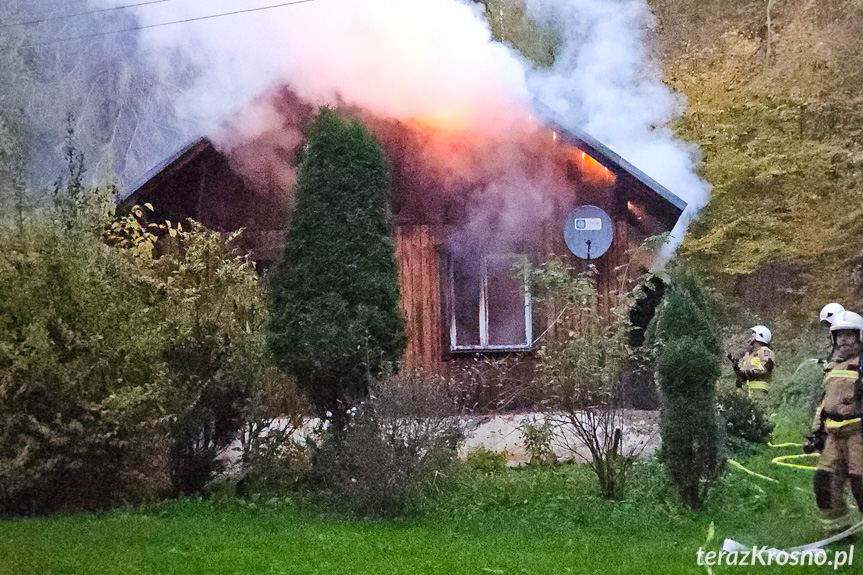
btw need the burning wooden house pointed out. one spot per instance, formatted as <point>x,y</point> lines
<point>458,229</point>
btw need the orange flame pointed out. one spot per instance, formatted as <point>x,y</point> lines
<point>591,168</point>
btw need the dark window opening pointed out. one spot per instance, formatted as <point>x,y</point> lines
<point>641,313</point>
<point>490,306</point>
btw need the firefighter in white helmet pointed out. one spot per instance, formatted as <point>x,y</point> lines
<point>838,518</point>
<point>755,369</point>
<point>840,417</point>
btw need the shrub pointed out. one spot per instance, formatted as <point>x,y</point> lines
<point>273,459</point>
<point>537,438</point>
<point>485,461</point>
<point>579,370</point>
<point>215,349</point>
<point>80,374</point>
<point>334,305</point>
<point>397,446</point>
<point>744,421</point>
<point>688,365</point>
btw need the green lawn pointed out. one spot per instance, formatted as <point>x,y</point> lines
<point>529,521</point>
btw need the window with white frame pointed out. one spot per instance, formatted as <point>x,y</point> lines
<point>489,304</point>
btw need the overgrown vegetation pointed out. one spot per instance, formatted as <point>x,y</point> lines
<point>121,377</point>
<point>744,422</point>
<point>780,138</point>
<point>579,370</point>
<point>396,446</point>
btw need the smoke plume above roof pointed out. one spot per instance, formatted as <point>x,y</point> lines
<point>429,62</point>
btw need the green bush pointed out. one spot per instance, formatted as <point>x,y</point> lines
<point>537,438</point>
<point>744,421</point>
<point>274,459</point>
<point>80,373</point>
<point>485,461</point>
<point>120,376</point>
<point>214,348</point>
<point>579,370</point>
<point>334,297</point>
<point>687,347</point>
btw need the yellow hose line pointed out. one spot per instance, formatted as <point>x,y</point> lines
<point>782,459</point>
<point>778,445</point>
<point>733,463</point>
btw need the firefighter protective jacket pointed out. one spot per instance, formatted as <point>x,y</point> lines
<point>756,368</point>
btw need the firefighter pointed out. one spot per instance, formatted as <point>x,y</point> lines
<point>840,422</point>
<point>755,369</point>
<point>839,516</point>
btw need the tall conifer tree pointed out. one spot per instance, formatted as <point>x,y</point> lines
<point>688,365</point>
<point>334,295</point>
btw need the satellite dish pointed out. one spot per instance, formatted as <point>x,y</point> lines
<point>588,232</point>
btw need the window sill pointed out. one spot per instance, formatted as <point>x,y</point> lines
<point>498,349</point>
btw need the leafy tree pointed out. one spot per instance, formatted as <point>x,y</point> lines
<point>688,365</point>
<point>334,296</point>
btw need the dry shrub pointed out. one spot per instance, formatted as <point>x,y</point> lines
<point>274,459</point>
<point>483,384</point>
<point>396,447</point>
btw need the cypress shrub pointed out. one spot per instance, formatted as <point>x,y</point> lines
<point>335,319</point>
<point>688,366</point>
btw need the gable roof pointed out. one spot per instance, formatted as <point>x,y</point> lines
<point>664,204</point>
<point>166,168</point>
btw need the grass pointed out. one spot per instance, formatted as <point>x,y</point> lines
<point>531,521</point>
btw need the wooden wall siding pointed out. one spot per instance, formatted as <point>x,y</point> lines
<point>418,255</point>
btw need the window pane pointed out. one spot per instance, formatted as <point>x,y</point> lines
<point>466,288</point>
<point>505,289</point>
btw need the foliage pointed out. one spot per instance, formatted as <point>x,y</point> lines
<point>334,301</point>
<point>75,204</point>
<point>79,370</point>
<point>484,460</point>
<point>688,365</point>
<point>780,142</point>
<point>804,388</point>
<point>511,24</point>
<point>579,369</point>
<point>273,459</point>
<point>537,438</point>
<point>396,447</point>
<point>214,350</point>
<point>745,423</point>
<point>118,371</point>
<point>125,126</point>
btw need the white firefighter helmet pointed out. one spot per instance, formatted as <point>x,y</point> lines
<point>847,320</point>
<point>830,311</point>
<point>762,334</point>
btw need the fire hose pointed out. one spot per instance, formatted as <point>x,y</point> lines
<point>730,545</point>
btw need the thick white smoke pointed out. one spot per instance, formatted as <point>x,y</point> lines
<point>427,61</point>
<point>605,81</point>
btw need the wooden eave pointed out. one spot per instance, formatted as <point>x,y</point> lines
<point>163,171</point>
<point>663,204</point>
